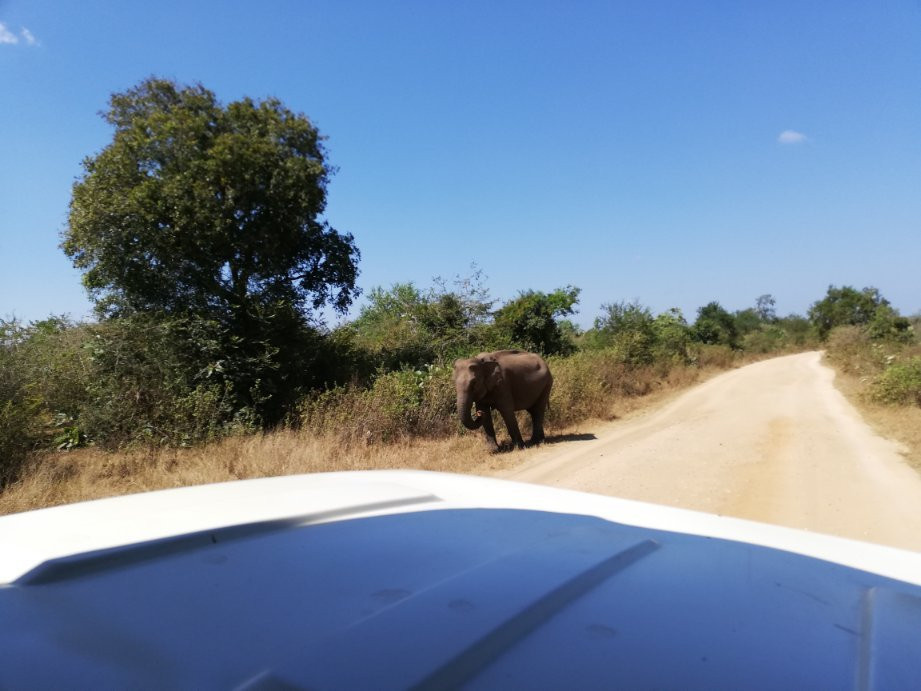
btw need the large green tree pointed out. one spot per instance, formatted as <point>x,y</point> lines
<point>207,220</point>
<point>197,207</point>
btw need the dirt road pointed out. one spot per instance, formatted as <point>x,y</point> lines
<point>772,442</point>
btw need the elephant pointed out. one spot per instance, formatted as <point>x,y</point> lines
<point>507,380</point>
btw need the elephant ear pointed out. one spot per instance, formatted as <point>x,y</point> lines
<point>493,374</point>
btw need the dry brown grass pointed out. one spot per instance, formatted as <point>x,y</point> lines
<point>84,474</point>
<point>61,478</point>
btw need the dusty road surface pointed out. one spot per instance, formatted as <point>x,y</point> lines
<point>772,442</point>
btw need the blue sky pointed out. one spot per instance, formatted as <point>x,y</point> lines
<point>665,151</point>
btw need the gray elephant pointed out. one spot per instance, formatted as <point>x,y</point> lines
<point>507,380</point>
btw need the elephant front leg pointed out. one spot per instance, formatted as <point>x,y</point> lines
<point>489,431</point>
<point>511,422</point>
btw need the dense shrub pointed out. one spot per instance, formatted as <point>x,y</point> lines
<point>42,383</point>
<point>533,321</point>
<point>716,356</point>
<point>847,306</point>
<point>164,381</point>
<point>19,421</point>
<point>715,326</point>
<point>586,383</point>
<point>397,404</point>
<point>888,325</point>
<point>798,331</point>
<point>673,337</point>
<point>402,327</point>
<point>899,383</point>
<point>767,339</point>
<point>852,349</point>
<point>18,432</point>
<point>630,328</point>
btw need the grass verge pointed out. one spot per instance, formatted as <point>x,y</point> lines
<point>897,422</point>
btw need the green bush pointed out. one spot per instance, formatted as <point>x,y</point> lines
<point>767,339</point>
<point>715,326</point>
<point>397,404</point>
<point>719,356</point>
<point>673,337</point>
<point>900,383</point>
<point>845,306</point>
<point>20,421</point>
<point>586,383</point>
<point>798,331</point>
<point>888,325</point>
<point>533,321</point>
<point>19,431</point>
<point>854,352</point>
<point>168,382</point>
<point>405,328</point>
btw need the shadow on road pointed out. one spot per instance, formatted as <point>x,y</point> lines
<point>557,438</point>
<point>508,446</point>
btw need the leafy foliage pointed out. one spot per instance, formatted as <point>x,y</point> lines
<point>900,383</point>
<point>532,321</point>
<point>19,428</point>
<point>673,336</point>
<point>163,381</point>
<point>715,326</point>
<point>417,402</point>
<point>845,306</point>
<point>204,209</point>
<point>798,331</point>
<point>748,321</point>
<point>888,325</point>
<point>203,222</point>
<point>629,328</point>
<point>404,327</point>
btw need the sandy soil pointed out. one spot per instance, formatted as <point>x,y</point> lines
<point>774,442</point>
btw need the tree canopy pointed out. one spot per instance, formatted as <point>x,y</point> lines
<point>867,308</point>
<point>195,207</point>
<point>716,326</point>
<point>531,320</point>
<point>202,223</point>
<point>845,306</point>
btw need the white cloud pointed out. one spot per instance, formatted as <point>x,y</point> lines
<point>7,36</point>
<point>792,137</point>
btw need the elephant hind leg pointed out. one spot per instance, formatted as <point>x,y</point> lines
<point>538,411</point>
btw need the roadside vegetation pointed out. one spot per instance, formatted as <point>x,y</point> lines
<point>200,233</point>
<point>107,408</point>
<point>877,353</point>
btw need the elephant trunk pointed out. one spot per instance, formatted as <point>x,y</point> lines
<point>463,408</point>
